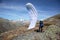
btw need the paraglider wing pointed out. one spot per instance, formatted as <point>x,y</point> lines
<point>33,14</point>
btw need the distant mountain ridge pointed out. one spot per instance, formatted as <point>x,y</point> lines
<point>53,20</point>
<point>6,25</point>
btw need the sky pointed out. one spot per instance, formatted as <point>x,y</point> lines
<point>16,9</point>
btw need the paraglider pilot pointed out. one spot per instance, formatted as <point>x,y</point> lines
<point>41,25</point>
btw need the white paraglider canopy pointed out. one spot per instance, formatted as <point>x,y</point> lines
<point>33,14</point>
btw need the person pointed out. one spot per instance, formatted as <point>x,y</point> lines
<point>41,26</point>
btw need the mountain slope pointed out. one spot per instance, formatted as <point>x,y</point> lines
<point>5,25</point>
<point>52,31</point>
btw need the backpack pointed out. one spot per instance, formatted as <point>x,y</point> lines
<point>41,24</point>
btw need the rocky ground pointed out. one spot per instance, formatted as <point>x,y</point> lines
<point>52,33</point>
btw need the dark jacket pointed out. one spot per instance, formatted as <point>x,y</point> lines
<point>41,24</point>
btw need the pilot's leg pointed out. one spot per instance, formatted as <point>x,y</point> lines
<point>41,29</point>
